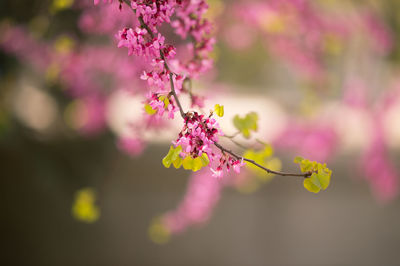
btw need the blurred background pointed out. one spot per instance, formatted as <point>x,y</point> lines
<point>82,179</point>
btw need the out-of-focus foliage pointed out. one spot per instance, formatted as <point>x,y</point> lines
<point>246,124</point>
<point>265,158</point>
<point>219,110</point>
<point>84,208</point>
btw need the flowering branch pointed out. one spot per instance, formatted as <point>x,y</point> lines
<point>193,149</point>
<point>183,113</point>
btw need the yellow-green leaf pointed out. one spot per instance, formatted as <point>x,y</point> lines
<point>58,5</point>
<point>178,162</point>
<point>219,110</point>
<point>149,109</point>
<point>310,185</point>
<point>247,124</point>
<point>164,99</point>
<point>187,163</point>
<point>298,159</point>
<point>158,232</point>
<point>320,177</point>
<point>324,176</point>
<point>172,156</point>
<point>197,164</point>
<point>84,208</point>
<point>204,159</point>
<point>268,151</point>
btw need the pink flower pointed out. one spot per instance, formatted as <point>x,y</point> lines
<point>218,172</point>
<point>237,165</point>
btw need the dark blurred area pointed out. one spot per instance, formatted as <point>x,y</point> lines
<point>279,224</point>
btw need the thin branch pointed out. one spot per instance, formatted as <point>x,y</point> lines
<point>237,157</point>
<point>183,113</point>
<point>173,91</point>
<point>235,142</point>
<point>233,135</point>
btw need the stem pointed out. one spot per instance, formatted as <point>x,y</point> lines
<point>173,91</point>
<point>236,143</point>
<point>305,175</point>
<point>183,113</point>
<point>232,136</point>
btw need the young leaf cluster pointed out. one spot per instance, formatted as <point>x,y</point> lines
<point>188,163</point>
<point>320,177</point>
<point>246,124</point>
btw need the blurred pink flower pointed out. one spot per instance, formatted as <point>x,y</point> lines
<point>131,145</point>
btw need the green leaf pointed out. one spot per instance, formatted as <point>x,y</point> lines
<point>164,99</point>
<point>247,124</point>
<point>172,156</point>
<point>194,164</point>
<point>312,184</point>
<point>204,159</point>
<point>197,164</point>
<point>298,159</point>
<point>178,162</point>
<point>307,166</point>
<point>324,175</point>
<point>219,110</point>
<point>148,109</point>
<point>268,151</point>
<point>187,163</point>
<point>321,175</point>
<point>167,160</point>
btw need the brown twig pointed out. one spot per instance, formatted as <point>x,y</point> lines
<point>305,175</point>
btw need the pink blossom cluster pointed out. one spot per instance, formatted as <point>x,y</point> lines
<point>310,139</point>
<point>191,23</point>
<point>199,133</point>
<point>16,40</point>
<point>104,19</point>
<point>305,36</point>
<point>228,162</point>
<point>162,104</point>
<point>198,136</point>
<point>145,41</point>
<point>201,196</point>
<point>139,42</point>
<point>378,32</point>
<point>88,73</point>
<point>293,32</point>
<point>159,78</point>
<point>321,141</point>
<point>154,12</point>
<point>378,169</point>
